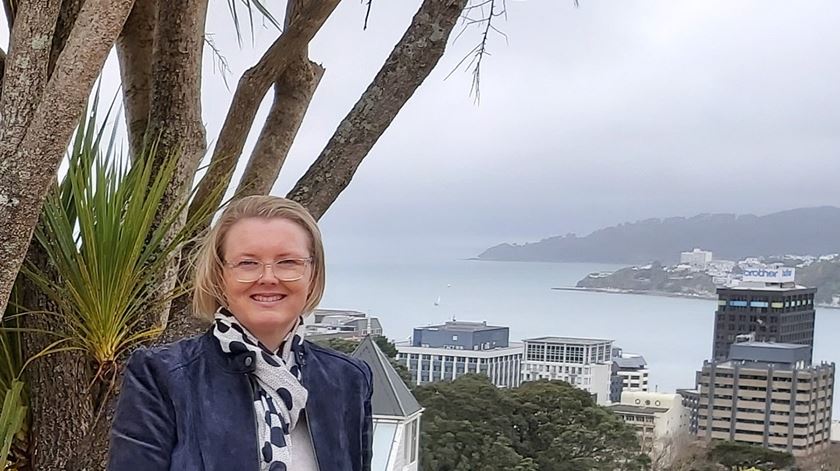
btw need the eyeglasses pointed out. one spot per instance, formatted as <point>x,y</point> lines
<point>288,269</point>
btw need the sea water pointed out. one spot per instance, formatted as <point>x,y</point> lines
<point>406,290</point>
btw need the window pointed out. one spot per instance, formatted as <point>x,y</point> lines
<point>411,441</point>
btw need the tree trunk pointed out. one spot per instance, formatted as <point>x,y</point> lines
<point>26,75</point>
<point>175,113</point>
<point>292,94</point>
<point>250,91</point>
<point>135,49</point>
<point>411,61</point>
<point>60,406</point>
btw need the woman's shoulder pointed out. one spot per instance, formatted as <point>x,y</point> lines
<point>168,357</point>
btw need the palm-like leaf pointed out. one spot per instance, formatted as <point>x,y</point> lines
<point>110,252</point>
<point>250,6</point>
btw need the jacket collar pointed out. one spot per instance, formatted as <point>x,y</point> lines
<point>243,362</point>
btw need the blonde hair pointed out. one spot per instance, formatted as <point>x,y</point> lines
<point>208,293</point>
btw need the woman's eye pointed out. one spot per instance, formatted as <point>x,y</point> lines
<point>246,263</point>
<point>287,263</point>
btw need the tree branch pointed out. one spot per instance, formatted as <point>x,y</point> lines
<point>292,94</point>
<point>135,49</point>
<point>249,93</point>
<point>2,66</point>
<point>408,65</point>
<point>27,170</point>
<point>66,19</point>
<point>10,11</point>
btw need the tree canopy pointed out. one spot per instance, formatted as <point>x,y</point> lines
<point>546,425</point>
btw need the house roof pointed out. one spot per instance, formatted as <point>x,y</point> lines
<point>391,397</point>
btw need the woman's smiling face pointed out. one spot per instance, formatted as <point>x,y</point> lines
<point>268,307</point>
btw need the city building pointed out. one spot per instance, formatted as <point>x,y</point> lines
<point>396,413</point>
<point>661,422</point>
<point>835,431</point>
<point>584,363</point>
<point>691,403</point>
<point>339,323</point>
<point>448,351</point>
<point>696,259</point>
<point>767,394</point>
<point>633,370</point>
<point>767,305</point>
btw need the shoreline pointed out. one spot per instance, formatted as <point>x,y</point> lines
<point>663,294</point>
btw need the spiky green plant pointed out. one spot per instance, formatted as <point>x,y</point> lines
<point>108,246</point>
<point>12,420</point>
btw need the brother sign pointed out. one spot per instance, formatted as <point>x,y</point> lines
<point>770,275</point>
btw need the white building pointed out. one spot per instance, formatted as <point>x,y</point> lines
<point>633,371</point>
<point>583,363</point>
<point>428,364</point>
<point>341,323</point>
<point>835,431</point>
<point>661,421</point>
<point>396,414</point>
<point>697,259</point>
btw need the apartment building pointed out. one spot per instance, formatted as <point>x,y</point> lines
<point>768,394</point>
<point>582,362</point>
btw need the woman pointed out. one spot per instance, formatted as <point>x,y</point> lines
<point>250,394</point>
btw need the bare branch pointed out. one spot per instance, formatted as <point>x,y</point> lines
<point>292,95</point>
<point>10,11</point>
<point>488,11</point>
<point>2,66</point>
<point>66,19</point>
<point>135,48</point>
<point>367,13</point>
<point>250,91</point>
<point>408,65</point>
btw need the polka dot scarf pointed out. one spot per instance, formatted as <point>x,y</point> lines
<point>279,397</point>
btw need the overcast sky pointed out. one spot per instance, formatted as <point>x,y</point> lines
<point>610,112</point>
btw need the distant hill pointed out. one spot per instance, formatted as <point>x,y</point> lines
<point>803,231</point>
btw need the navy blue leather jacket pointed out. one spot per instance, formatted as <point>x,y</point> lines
<point>188,406</point>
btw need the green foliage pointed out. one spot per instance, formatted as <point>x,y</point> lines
<point>345,346</point>
<point>736,456</point>
<point>11,420</point>
<point>108,246</point>
<point>470,424</point>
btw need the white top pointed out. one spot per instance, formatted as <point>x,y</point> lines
<point>303,451</point>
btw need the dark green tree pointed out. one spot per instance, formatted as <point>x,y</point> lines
<point>735,456</point>
<point>562,429</point>
<point>470,424</point>
<point>467,426</point>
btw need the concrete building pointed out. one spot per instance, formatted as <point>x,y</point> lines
<point>633,371</point>
<point>696,259</point>
<point>584,363</point>
<point>396,414</point>
<point>339,323</point>
<point>448,351</point>
<point>835,431</point>
<point>768,394</point>
<point>768,305</point>
<point>661,421</point>
<point>691,403</point>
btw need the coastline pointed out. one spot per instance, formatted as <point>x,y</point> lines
<point>663,294</point>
